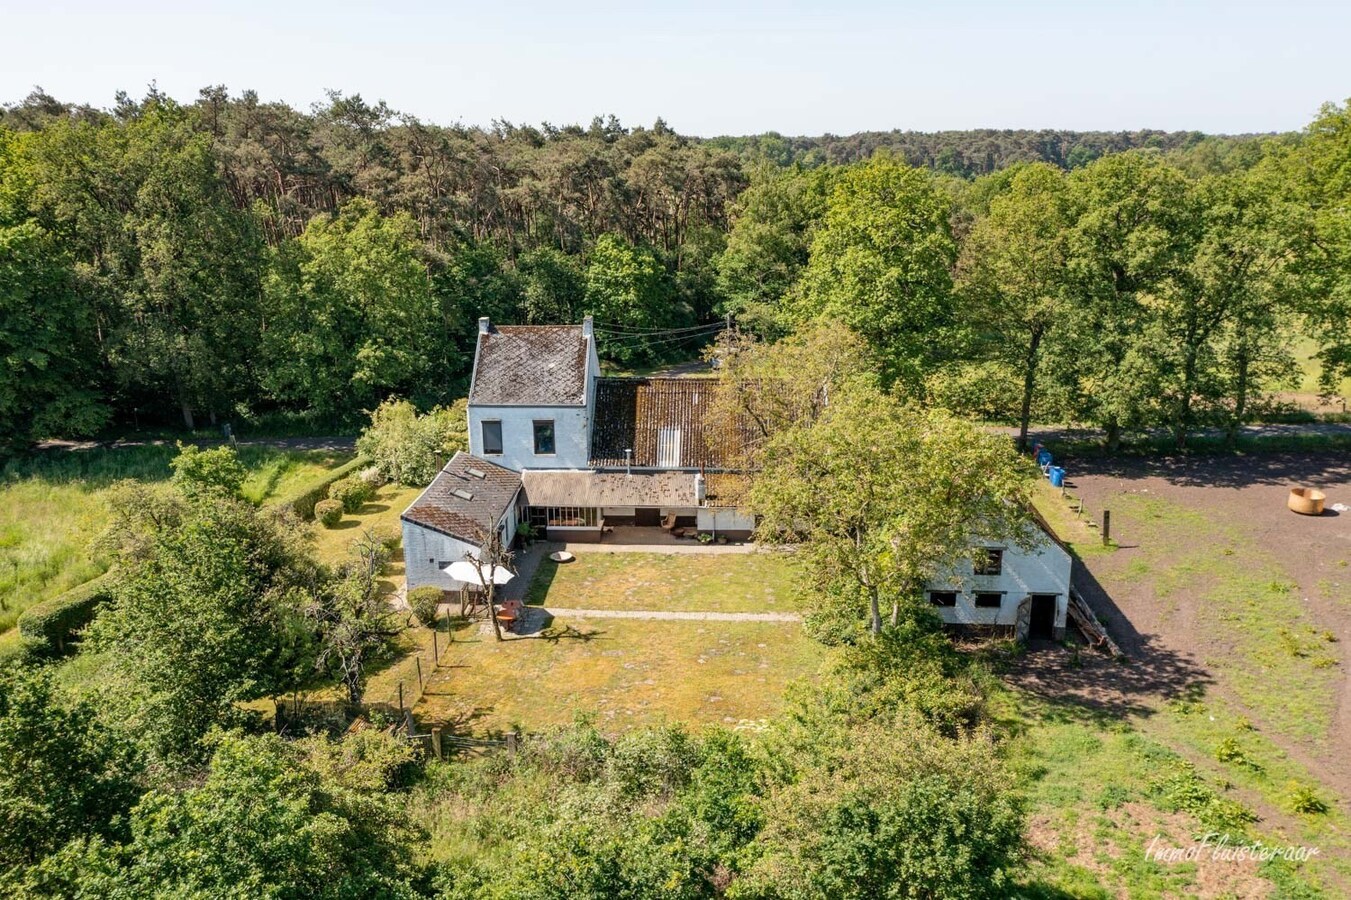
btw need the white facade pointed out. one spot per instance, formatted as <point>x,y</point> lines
<point>426,552</point>
<point>1043,572</point>
<point>572,436</point>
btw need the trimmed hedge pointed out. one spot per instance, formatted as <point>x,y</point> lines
<point>352,492</point>
<point>328,512</point>
<point>50,624</point>
<point>302,504</point>
<point>424,602</point>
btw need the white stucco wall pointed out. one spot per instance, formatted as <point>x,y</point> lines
<point>719,519</point>
<point>427,552</point>
<point>572,436</point>
<point>1044,570</point>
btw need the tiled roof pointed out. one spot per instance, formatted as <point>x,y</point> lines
<point>662,421</point>
<point>530,365</point>
<point>465,499</point>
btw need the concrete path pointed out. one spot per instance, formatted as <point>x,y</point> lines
<point>689,547</point>
<point>562,613</point>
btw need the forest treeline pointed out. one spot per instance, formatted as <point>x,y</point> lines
<point>233,258</point>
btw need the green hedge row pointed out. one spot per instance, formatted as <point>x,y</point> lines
<point>303,502</point>
<point>48,625</point>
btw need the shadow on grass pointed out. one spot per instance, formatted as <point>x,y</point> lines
<point>569,633</point>
<point>538,591</point>
<point>1082,684</point>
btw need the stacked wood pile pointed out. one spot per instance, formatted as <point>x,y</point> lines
<point>1087,623</point>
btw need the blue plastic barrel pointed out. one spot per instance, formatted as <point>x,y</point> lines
<point>1043,457</point>
<point>1057,476</point>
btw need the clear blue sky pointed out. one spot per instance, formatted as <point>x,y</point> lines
<point>714,68</point>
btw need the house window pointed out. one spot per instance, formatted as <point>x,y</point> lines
<point>544,437</point>
<point>564,517</point>
<point>492,438</point>
<point>993,564</point>
<point>943,598</point>
<point>989,599</point>
<point>668,448</point>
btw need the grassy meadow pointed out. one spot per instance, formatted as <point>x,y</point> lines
<point>53,506</point>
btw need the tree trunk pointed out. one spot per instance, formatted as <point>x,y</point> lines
<point>875,610</point>
<point>1240,401</point>
<point>1029,384</point>
<point>1113,435</point>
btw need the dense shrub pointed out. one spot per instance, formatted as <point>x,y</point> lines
<point>328,512</point>
<point>352,492</point>
<point>51,624</point>
<point>198,472</point>
<point>409,448</point>
<point>423,601</point>
<point>302,503</point>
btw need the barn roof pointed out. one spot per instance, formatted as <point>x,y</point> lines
<point>580,488</point>
<point>530,365</point>
<point>664,422</point>
<point>465,499</point>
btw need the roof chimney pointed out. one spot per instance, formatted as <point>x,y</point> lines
<point>587,324</point>
<point>484,326</point>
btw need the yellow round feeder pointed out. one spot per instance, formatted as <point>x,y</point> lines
<point>1306,501</point>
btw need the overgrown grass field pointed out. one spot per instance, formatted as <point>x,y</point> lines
<point>53,506</point>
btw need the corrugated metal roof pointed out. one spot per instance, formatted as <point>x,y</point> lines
<point>577,488</point>
<point>530,365</point>
<point>465,499</point>
<point>662,420</point>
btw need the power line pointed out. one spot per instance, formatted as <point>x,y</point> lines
<point>654,332</point>
<point>643,341</point>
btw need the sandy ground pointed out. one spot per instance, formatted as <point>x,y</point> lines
<point>1247,492</point>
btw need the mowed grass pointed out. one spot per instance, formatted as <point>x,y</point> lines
<point>626,672</point>
<point>53,506</point>
<point>763,581</point>
<point>380,513</point>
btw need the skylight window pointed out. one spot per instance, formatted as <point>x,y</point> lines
<point>477,473</point>
<point>462,494</point>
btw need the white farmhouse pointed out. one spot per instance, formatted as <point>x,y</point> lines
<point>1014,591</point>
<point>582,457</point>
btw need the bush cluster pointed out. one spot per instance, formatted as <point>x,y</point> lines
<point>328,512</point>
<point>423,602</point>
<point>352,492</point>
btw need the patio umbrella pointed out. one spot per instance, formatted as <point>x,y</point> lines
<point>468,573</point>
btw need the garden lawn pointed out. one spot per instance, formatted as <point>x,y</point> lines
<point>626,672</point>
<point>52,507</point>
<point>763,581</point>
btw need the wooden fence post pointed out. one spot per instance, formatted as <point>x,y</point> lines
<point>418,660</point>
<point>1106,526</point>
<point>400,698</point>
<point>436,653</point>
<point>436,741</point>
<point>511,742</point>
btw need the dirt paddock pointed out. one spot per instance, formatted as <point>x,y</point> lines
<point>1188,523</point>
